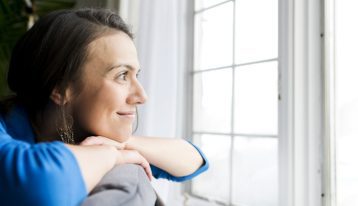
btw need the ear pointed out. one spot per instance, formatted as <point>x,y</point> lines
<point>58,98</point>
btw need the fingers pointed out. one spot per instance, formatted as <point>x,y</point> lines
<point>124,156</point>
<point>148,171</point>
<point>99,140</point>
<point>91,141</point>
<point>134,157</point>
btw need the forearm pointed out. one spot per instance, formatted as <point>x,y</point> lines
<point>94,161</point>
<point>176,156</point>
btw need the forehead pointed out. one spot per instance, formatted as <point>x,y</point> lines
<point>111,49</point>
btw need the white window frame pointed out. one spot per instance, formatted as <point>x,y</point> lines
<point>301,113</point>
<point>329,184</point>
<point>302,105</point>
<point>192,199</point>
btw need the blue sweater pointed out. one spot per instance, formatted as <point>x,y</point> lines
<point>45,173</point>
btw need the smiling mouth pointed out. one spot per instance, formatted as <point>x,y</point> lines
<point>129,115</point>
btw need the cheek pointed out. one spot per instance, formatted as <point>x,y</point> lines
<point>96,114</point>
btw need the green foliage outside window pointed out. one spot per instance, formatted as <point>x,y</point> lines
<point>15,18</point>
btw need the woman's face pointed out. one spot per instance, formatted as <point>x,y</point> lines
<point>106,105</point>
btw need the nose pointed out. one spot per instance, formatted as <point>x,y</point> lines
<point>138,94</point>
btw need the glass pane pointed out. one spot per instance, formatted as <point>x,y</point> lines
<point>256,36</point>
<point>201,4</point>
<point>214,183</point>
<point>213,37</point>
<point>212,101</point>
<point>256,99</point>
<point>346,103</point>
<point>255,171</point>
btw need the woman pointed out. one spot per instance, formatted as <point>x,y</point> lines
<point>74,75</point>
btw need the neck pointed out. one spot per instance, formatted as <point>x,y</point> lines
<point>44,124</point>
<point>79,134</point>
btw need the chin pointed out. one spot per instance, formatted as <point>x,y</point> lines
<point>121,137</point>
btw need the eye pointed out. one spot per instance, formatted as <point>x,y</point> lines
<point>122,76</point>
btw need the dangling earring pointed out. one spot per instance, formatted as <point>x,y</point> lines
<point>65,129</point>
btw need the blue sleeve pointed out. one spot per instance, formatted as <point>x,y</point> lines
<point>159,173</point>
<point>39,174</point>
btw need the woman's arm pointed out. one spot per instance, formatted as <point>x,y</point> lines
<point>95,159</point>
<point>175,156</point>
<point>94,162</point>
<point>39,174</point>
<point>52,173</point>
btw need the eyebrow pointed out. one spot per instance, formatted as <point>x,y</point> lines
<point>122,65</point>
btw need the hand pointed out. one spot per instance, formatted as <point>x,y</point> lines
<point>99,140</point>
<point>134,157</point>
<point>124,156</point>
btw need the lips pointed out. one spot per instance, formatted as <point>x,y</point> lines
<point>127,115</point>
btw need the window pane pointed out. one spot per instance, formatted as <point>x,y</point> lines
<point>213,37</point>
<point>256,30</point>
<point>201,4</point>
<point>212,101</point>
<point>256,99</point>
<point>346,103</point>
<point>255,171</point>
<point>215,182</point>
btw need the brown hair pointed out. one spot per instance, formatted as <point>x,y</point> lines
<point>53,51</point>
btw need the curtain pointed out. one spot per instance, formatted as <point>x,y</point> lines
<point>160,36</point>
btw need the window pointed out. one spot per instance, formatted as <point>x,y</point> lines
<point>343,101</point>
<point>235,100</point>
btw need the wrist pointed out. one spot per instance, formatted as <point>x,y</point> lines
<point>112,154</point>
<point>130,143</point>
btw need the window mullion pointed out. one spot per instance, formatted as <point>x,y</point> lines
<point>235,65</point>
<point>232,106</point>
<point>329,161</point>
<point>211,7</point>
<point>236,134</point>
